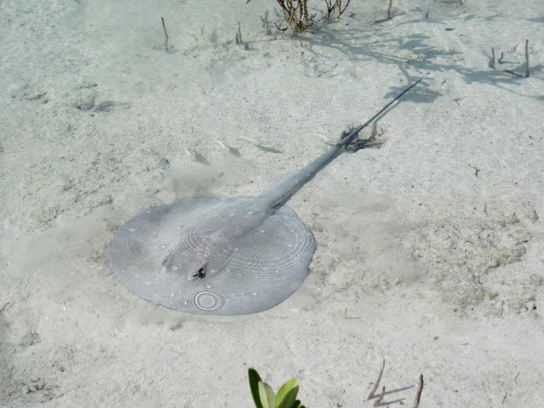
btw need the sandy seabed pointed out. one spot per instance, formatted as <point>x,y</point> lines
<point>430,250</point>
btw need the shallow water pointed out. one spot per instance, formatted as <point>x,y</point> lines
<point>429,249</point>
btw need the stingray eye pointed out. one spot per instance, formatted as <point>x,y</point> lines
<point>201,273</point>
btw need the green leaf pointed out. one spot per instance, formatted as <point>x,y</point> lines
<point>254,380</point>
<point>248,1</point>
<point>284,389</point>
<point>296,404</point>
<point>266,393</point>
<point>289,399</point>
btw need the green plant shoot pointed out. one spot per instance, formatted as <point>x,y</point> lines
<point>264,397</point>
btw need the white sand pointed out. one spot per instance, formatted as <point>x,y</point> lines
<point>439,265</point>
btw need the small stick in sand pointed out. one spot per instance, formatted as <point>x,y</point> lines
<point>492,59</point>
<point>389,9</point>
<point>265,22</point>
<point>501,58</point>
<point>419,391</point>
<point>251,140</point>
<point>513,73</point>
<point>377,383</point>
<point>349,318</point>
<point>190,153</point>
<point>39,96</point>
<point>526,58</point>
<point>223,145</point>
<point>240,41</point>
<point>165,35</point>
<point>380,399</point>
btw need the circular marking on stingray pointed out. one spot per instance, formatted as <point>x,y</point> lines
<point>208,301</point>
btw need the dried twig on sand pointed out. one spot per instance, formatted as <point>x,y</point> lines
<point>380,398</point>
<point>377,383</point>
<point>389,9</point>
<point>526,58</point>
<point>419,391</point>
<point>165,35</point>
<point>492,59</point>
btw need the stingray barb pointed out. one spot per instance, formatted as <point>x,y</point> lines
<point>225,255</point>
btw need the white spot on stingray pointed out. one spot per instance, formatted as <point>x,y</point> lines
<point>277,271</point>
<point>132,230</point>
<point>236,249</point>
<point>163,246</point>
<point>213,271</point>
<point>254,294</point>
<point>261,230</point>
<point>175,268</point>
<point>251,212</point>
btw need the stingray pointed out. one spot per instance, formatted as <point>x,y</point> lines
<point>224,255</point>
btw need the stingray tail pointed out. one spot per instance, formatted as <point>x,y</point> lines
<point>283,192</point>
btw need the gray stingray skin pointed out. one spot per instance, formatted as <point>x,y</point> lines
<point>253,260</point>
<point>221,256</point>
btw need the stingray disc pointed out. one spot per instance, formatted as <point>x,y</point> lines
<point>220,256</point>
